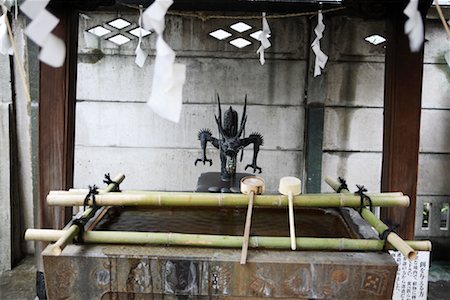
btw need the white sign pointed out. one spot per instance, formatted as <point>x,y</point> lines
<point>411,281</point>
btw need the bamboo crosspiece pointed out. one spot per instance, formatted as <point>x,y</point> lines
<point>396,241</point>
<point>135,198</point>
<point>73,230</point>
<point>219,241</point>
<point>190,199</point>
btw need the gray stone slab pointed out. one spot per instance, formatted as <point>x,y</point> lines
<point>433,174</point>
<point>23,129</point>
<point>5,79</point>
<point>353,129</point>
<point>5,189</point>
<point>118,78</point>
<point>189,36</point>
<point>348,34</point>
<point>435,46</point>
<point>171,169</point>
<point>136,125</point>
<point>356,168</point>
<point>355,84</point>
<point>434,131</point>
<point>436,86</point>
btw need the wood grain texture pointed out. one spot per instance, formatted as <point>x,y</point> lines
<point>57,122</point>
<point>402,111</point>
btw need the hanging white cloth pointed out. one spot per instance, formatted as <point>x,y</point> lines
<point>321,58</point>
<point>141,55</point>
<point>414,25</point>
<point>168,77</point>
<point>53,49</point>
<point>5,43</point>
<point>264,38</point>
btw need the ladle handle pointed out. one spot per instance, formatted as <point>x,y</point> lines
<point>292,221</point>
<point>248,222</point>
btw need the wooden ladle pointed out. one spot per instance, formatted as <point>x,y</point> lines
<point>291,186</point>
<point>250,185</point>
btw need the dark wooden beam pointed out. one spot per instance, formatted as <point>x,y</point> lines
<point>57,122</point>
<point>402,109</point>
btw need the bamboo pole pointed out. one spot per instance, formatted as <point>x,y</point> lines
<point>140,192</point>
<point>219,199</point>
<point>222,241</point>
<point>73,230</point>
<point>380,227</point>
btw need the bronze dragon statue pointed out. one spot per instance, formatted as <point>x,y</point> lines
<point>230,142</point>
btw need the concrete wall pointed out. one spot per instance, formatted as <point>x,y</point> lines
<point>353,118</point>
<point>23,120</point>
<point>5,165</point>
<point>16,181</point>
<point>117,132</point>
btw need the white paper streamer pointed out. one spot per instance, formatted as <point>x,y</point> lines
<point>5,43</point>
<point>53,49</point>
<point>141,55</point>
<point>264,38</point>
<point>321,58</point>
<point>414,25</point>
<point>168,77</point>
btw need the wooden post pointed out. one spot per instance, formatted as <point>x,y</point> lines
<point>402,109</point>
<point>57,122</point>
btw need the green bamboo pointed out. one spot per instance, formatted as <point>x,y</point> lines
<point>219,199</point>
<point>380,227</point>
<point>74,191</point>
<point>221,241</point>
<point>73,230</point>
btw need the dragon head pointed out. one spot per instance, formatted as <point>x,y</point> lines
<point>230,142</point>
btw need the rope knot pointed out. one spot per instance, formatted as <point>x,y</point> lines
<point>343,185</point>
<point>80,222</point>
<point>384,235</point>
<point>361,190</point>
<point>93,190</point>
<point>109,181</point>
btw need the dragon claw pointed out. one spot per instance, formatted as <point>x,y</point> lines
<point>255,168</point>
<point>203,161</point>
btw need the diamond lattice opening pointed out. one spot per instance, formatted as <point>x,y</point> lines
<point>256,34</point>
<point>119,23</point>
<point>99,31</point>
<point>240,27</point>
<point>375,39</point>
<point>144,32</point>
<point>119,39</point>
<point>220,34</point>
<point>240,43</point>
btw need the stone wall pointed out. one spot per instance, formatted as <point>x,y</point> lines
<point>117,132</point>
<point>434,159</point>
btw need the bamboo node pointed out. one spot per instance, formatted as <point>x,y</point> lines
<point>341,200</point>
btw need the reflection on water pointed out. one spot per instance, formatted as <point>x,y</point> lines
<point>225,221</point>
